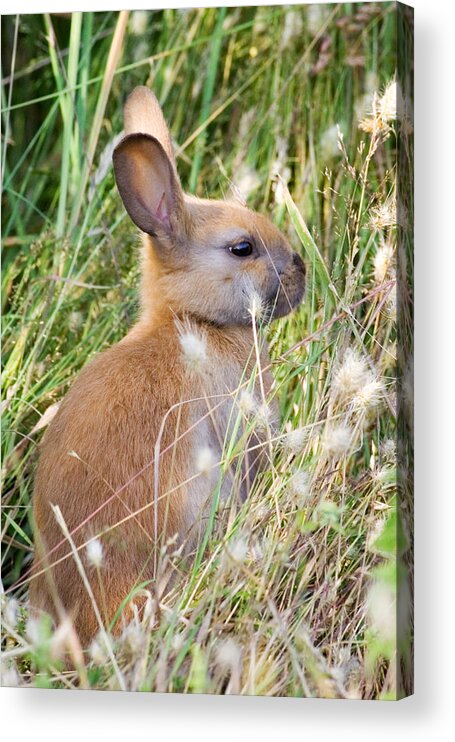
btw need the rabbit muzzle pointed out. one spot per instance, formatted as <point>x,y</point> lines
<point>288,289</point>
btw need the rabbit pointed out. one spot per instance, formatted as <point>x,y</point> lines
<point>120,458</point>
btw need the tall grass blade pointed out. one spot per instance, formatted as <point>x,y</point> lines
<point>111,64</point>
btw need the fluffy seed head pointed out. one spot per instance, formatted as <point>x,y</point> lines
<point>295,440</point>
<point>238,548</point>
<point>279,167</point>
<point>299,487</point>
<point>97,652</point>
<point>316,15</point>
<point>247,181</point>
<point>257,549</point>
<point>205,460</point>
<point>387,105</point>
<point>134,639</point>
<point>381,609</point>
<point>391,304</point>
<point>256,306</point>
<point>389,450</point>
<point>94,552</point>
<point>9,612</point>
<point>75,320</point>
<point>337,440</point>
<point>33,631</point>
<point>138,22</point>
<point>350,375</point>
<point>194,347</point>
<point>383,261</point>
<point>177,642</point>
<point>383,111</point>
<point>329,143</point>
<point>278,189</point>
<point>263,415</point>
<point>293,25</point>
<point>384,215</point>
<point>247,403</point>
<point>369,395</point>
<point>61,638</point>
<point>228,654</point>
<point>9,675</point>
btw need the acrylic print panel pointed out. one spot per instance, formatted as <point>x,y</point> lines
<point>207,431</point>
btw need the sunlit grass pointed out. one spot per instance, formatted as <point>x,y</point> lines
<point>295,593</point>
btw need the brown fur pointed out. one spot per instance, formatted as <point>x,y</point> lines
<point>141,391</point>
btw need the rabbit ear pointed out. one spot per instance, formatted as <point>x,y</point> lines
<point>149,186</point>
<point>143,115</point>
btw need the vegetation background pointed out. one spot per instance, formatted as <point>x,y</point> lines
<point>295,109</point>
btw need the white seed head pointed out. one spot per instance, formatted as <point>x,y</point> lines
<point>238,548</point>
<point>247,120</point>
<point>316,15</point>
<point>196,87</point>
<point>33,631</point>
<point>9,676</point>
<point>75,320</point>
<point>257,549</point>
<point>246,181</point>
<point>293,25</point>
<point>247,403</point>
<point>279,191</point>
<point>205,460</point>
<point>177,642</point>
<point>329,143</point>
<point>194,347</point>
<point>384,215</point>
<point>263,415</point>
<point>279,166</point>
<point>384,109</point>
<point>337,440</point>
<point>261,22</point>
<point>387,105</point>
<point>369,395</point>
<point>391,304</point>
<point>350,375</point>
<point>10,610</point>
<point>228,654</point>
<point>148,613</point>
<point>383,474</point>
<point>389,450</point>
<point>375,532</point>
<point>134,639</point>
<point>97,653</point>
<point>299,486</point>
<point>363,106</point>
<point>256,306</point>
<point>94,551</point>
<point>383,261</point>
<point>138,22</point>
<point>382,610</point>
<point>61,638</point>
<point>295,440</point>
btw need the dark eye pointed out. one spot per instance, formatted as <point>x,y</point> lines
<point>241,249</point>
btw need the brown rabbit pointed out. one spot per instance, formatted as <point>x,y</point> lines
<point>120,459</point>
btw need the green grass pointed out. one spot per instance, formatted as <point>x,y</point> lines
<point>296,592</point>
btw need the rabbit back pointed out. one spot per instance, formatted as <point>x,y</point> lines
<point>120,460</point>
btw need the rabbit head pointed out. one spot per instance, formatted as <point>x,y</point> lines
<point>204,257</point>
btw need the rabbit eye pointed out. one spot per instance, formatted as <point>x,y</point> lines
<point>241,249</point>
